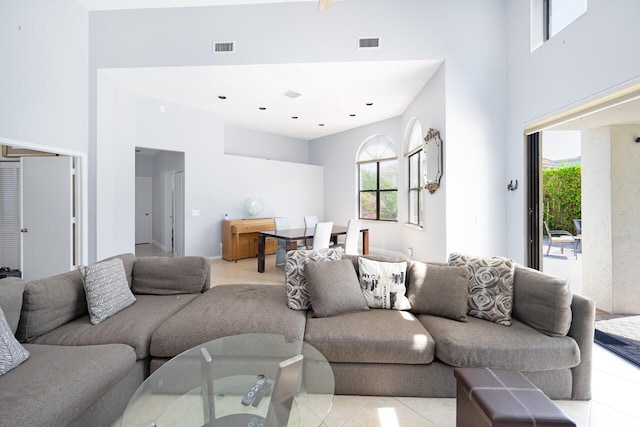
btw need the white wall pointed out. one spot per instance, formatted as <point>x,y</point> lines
<point>338,154</point>
<point>245,142</point>
<point>43,77</point>
<point>593,55</point>
<point>215,183</point>
<point>468,36</point>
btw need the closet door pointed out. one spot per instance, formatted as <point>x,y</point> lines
<point>47,216</point>
<point>10,215</point>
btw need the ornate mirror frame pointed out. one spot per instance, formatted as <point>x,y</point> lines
<point>433,160</point>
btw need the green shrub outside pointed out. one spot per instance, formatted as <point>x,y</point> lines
<point>562,197</point>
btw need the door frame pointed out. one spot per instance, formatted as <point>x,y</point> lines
<point>169,210</point>
<point>80,162</point>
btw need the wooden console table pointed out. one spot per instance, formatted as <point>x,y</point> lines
<point>240,237</point>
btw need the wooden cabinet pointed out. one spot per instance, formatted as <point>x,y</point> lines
<point>240,237</point>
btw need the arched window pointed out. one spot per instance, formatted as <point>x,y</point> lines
<point>414,155</point>
<point>378,179</point>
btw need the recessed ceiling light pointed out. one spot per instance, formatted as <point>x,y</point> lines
<point>294,117</point>
<point>222,97</point>
<point>292,94</point>
<point>262,108</point>
<point>369,104</point>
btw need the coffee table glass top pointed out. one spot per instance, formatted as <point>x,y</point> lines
<point>210,381</point>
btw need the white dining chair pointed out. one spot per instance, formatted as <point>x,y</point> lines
<point>351,239</point>
<point>322,235</point>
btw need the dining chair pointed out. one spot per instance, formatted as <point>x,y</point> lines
<point>322,235</point>
<point>351,239</point>
<point>281,250</point>
<point>309,222</point>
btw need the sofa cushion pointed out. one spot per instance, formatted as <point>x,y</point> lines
<point>479,343</point>
<point>383,284</point>
<point>171,275</point>
<point>50,302</point>
<point>374,336</point>
<point>106,289</point>
<point>438,290</point>
<point>11,290</point>
<point>57,383</point>
<point>228,310</point>
<point>490,286</point>
<point>128,260</point>
<point>373,257</point>
<point>542,301</point>
<point>133,325</point>
<point>334,288</point>
<point>12,353</point>
<point>298,297</point>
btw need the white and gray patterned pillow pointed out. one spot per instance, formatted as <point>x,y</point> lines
<point>383,284</point>
<point>107,289</point>
<point>490,286</point>
<point>12,353</point>
<point>298,297</point>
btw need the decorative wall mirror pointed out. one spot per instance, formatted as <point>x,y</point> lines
<point>433,160</point>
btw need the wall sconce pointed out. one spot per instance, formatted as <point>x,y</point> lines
<point>511,186</point>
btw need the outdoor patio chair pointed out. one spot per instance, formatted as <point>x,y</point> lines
<point>562,237</point>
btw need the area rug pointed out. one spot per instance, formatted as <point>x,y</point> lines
<point>621,335</point>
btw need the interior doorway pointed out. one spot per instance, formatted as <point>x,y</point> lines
<point>43,215</point>
<point>164,170</point>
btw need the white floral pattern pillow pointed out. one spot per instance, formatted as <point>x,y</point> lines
<point>383,284</point>
<point>490,286</point>
<point>298,297</point>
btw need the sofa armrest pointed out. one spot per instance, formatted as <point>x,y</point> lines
<point>582,329</point>
<point>171,275</point>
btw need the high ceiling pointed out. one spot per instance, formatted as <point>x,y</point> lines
<point>305,100</point>
<point>153,4</point>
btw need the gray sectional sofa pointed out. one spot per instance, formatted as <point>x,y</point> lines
<point>81,374</point>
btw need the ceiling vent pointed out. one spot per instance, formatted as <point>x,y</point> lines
<point>292,94</point>
<point>219,47</point>
<point>368,42</point>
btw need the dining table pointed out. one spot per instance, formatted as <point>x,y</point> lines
<point>291,236</point>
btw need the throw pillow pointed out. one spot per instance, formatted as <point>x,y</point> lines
<point>296,284</point>
<point>334,288</point>
<point>438,290</point>
<point>383,284</point>
<point>542,301</point>
<point>490,286</point>
<point>12,353</point>
<point>107,289</point>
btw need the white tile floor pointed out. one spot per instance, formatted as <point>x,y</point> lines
<point>616,392</point>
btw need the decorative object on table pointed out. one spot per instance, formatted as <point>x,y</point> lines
<point>433,160</point>
<point>253,208</point>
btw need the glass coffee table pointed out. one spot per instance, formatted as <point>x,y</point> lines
<point>247,380</point>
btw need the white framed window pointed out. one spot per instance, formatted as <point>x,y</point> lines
<point>377,163</point>
<point>549,17</point>
<point>414,158</point>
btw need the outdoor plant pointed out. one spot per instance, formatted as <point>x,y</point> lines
<point>562,197</point>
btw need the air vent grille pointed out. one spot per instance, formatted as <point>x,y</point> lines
<point>219,47</point>
<point>368,42</point>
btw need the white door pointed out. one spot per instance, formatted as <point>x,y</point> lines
<point>179,215</point>
<point>47,216</point>
<point>144,204</point>
<point>10,215</point>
